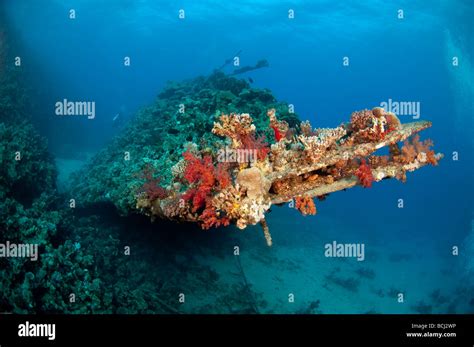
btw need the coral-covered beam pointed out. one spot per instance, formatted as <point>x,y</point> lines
<point>360,150</point>
<point>391,171</point>
<point>302,164</point>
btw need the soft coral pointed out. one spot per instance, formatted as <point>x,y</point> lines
<point>364,174</point>
<point>413,149</point>
<point>259,144</point>
<point>305,205</point>
<point>200,172</point>
<point>276,132</point>
<point>222,175</point>
<point>210,218</point>
<point>151,187</point>
<point>204,177</point>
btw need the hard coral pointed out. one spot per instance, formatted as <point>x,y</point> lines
<point>253,182</point>
<point>240,129</point>
<point>361,120</point>
<point>364,174</point>
<point>306,129</point>
<point>234,126</point>
<point>393,123</point>
<point>201,98</point>
<point>316,146</point>
<point>371,126</point>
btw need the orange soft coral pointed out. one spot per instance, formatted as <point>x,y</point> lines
<point>364,174</point>
<point>305,205</point>
<point>416,149</point>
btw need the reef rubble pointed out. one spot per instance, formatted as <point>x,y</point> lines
<point>303,163</point>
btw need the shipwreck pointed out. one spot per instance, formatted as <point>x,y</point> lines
<point>302,164</point>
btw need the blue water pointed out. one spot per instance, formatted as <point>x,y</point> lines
<point>407,59</point>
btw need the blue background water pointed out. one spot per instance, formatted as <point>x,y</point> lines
<point>407,59</point>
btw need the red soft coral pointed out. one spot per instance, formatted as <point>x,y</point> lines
<point>259,144</point>
<point>364,174</point>
<point>151,187</point>
<point>205,179</point>
<point>277,133</point>
<point>197,196</point>
<point>209,218</point>
<point>222,175</point>
<point>200,172</point>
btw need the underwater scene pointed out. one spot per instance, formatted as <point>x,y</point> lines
<point>241,157</point>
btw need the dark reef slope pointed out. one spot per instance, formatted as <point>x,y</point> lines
<point>81,267</point>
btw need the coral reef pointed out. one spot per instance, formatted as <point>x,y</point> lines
<point>175,172</point>
<point>181,118</point>
<point>30,214</point>
<point>216,167</point>
<point>311,164</point>
<point>33,213</point>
